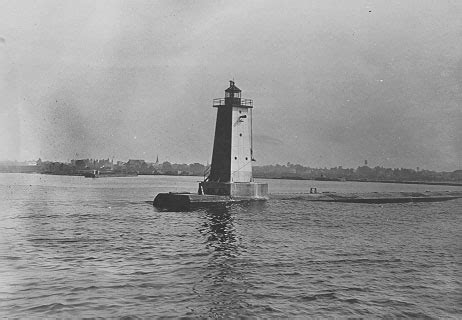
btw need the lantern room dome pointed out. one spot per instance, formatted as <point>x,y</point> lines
<point>232,87</point>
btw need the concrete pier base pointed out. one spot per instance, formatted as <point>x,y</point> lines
<point>247,190</point>
<point>186,201</point>
<point>211,193</point>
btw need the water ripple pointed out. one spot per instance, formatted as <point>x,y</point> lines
<point>72,248</point>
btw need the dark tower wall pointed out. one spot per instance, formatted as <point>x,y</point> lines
<point>220,170</point>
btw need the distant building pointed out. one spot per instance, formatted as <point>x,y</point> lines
<point>80,164</point>
<point>136,166</point>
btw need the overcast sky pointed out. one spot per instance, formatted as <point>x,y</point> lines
<point>333,82</point>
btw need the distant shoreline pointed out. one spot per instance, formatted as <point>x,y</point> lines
<point>435,183</point>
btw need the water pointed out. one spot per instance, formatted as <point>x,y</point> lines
<point>76,247</point>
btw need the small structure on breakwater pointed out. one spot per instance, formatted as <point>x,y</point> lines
<point>230,177</point>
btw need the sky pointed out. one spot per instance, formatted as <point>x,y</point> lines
<point>334,83</point>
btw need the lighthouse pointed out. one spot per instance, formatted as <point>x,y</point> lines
<point>232,147</point>
<point>230,178</point>
<point>232,157</point>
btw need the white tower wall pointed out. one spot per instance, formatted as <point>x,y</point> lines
<point>241,160</point>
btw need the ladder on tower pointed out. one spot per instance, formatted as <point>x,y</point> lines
<point>207,172</point>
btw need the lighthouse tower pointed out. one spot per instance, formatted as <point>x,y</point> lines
<point>230,177</point>
<point>231,168</point>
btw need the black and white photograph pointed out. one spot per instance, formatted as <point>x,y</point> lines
<point>254,159</point>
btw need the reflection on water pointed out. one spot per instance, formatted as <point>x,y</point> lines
<point>222,284</point>
<point>219,230</point>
